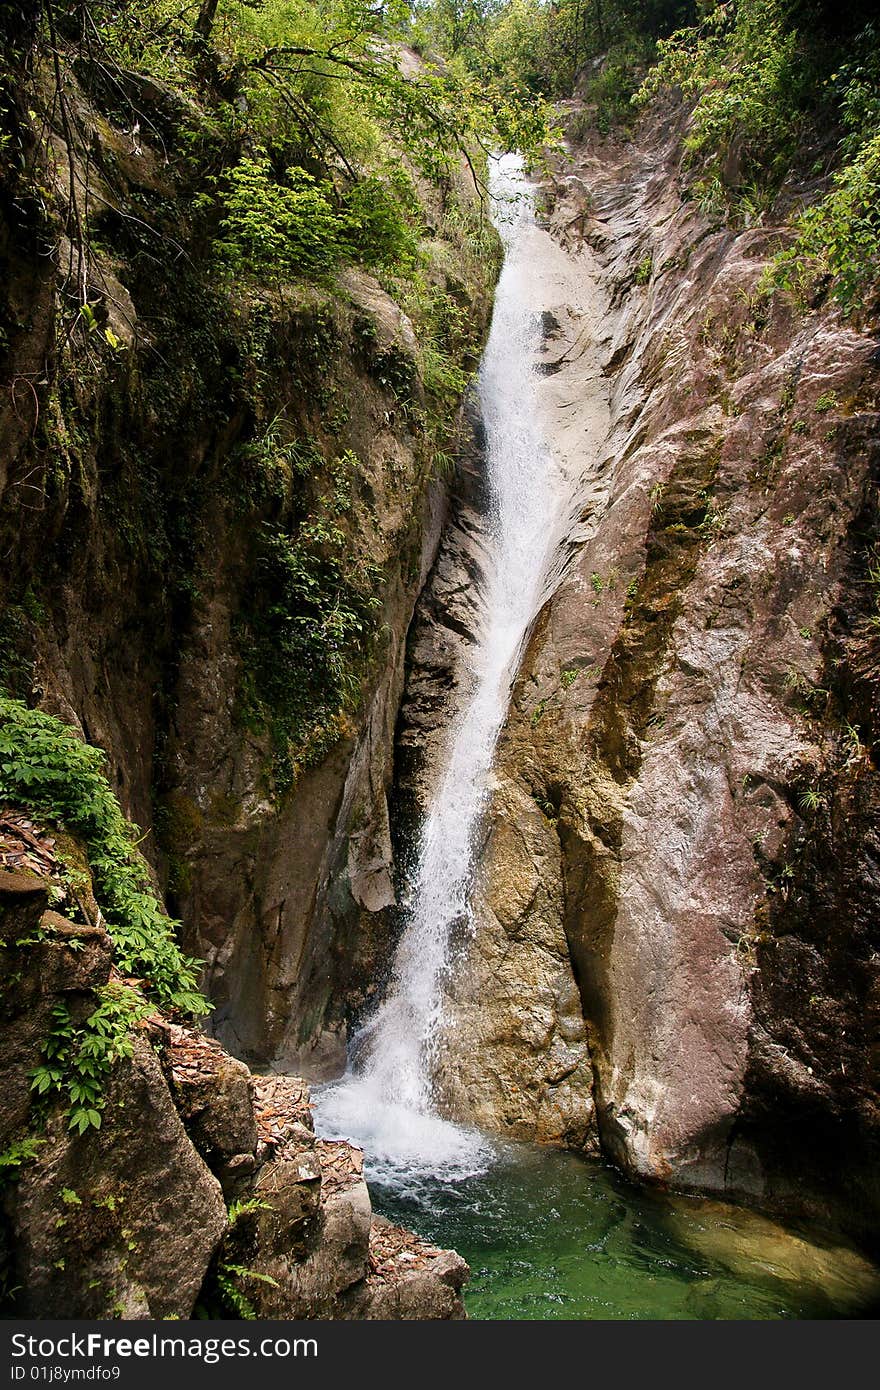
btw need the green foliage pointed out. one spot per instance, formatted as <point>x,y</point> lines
<point>46,768</point>
<point>448,334</point>
<point>810,799</point>
<point>857,84</point>
<point>379,221</point>
<point>77,1059</point>
<point>518,46</point>
<point>837,240</point>
<point>601,49</point>
<point>296,124</point>
<point>741,65</point>
<point>644,270</point>
<point>13,1159</point>
<point>759,82</point>
<point>265,469</point>
<point>442,376</point>
<point>18,625</point>
<point>245,1206</point>
<point>328,76</point>
<point>275,230</point>
<point>232,1298</point>
<point>223,1294</point>
<point>309,620</point>
<point>610,90</point>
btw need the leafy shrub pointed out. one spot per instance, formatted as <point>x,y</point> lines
<point>263,468</point>
<point>13,1159</point>
<point>839,237</point>
<point>295,228</point>
<point>741,66</point>
<point>276,230</point>
<point>45,767</point>
<point>644,270</point>
<point>754,85</point>
<point>77,1059</point>
<point>376,224</point>
<point>610,89</point>
<point>442,376</point>
<point>858,84</point>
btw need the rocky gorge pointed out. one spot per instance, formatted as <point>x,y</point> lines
<point>670,953</point>
<point>680,819</point>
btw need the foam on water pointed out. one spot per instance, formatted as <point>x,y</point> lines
<point>404,1148</point>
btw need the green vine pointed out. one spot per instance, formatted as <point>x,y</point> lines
<point>78,1058</point>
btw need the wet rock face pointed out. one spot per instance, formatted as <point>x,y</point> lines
<point>272,887</point>
<point>513,1054</point>
<point>124,1221</point>
<point>709,628</point>
<point>445,624</point>
<point>683,818</point>
<point>127,595</point>
<point>515,1057</point>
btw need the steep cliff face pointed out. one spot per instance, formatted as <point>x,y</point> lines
<point>272,885</point>
<point>192,469</point>
<point>514,1053</point>
<point>717,740</point>
<point>682,825</point>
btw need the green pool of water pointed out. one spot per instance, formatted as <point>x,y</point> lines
<point>549,1235</point>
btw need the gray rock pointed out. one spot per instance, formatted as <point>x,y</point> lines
<point>122,1221</point>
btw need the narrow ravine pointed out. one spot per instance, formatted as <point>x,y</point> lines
<point>534,493</point>
<point>440,662</point>
<point>547,1234</point>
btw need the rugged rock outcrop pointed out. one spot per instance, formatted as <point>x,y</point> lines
<point>682,827</point>
<point>514,1054</point>
<point>309,1240</point>
<point>711,739</point>
<point>270,887</point>
<point>129,1220</point>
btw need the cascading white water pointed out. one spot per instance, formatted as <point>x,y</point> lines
<point>385,1101</point>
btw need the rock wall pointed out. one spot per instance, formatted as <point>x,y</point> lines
<point>271,887</point>
<point>514,1054</point>
<point>140,473</point>
<point>683,825</point>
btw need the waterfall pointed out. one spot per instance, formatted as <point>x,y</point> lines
<point>385,1101</point>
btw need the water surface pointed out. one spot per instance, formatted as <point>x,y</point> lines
<point>549,1235</point>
